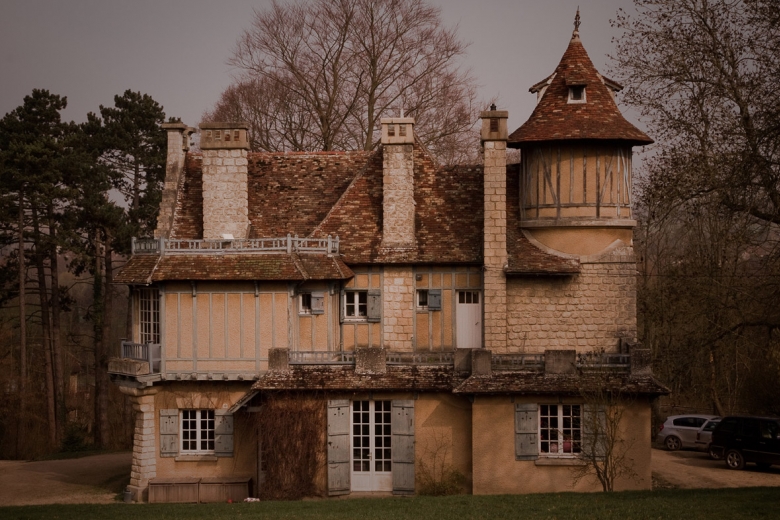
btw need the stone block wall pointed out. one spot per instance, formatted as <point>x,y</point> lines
<point>586,312</point>
<point>225,196</point>
<point>495,296</point>
<point>398,308</point>
<point>398,196</point>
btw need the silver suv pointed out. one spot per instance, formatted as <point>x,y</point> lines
<point>679,431</point>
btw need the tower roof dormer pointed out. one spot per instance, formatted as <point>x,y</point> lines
<point>576,102</point>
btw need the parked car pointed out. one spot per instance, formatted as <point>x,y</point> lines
<point>704,437</point>
<point>747,439</point>
<point>679,431</point>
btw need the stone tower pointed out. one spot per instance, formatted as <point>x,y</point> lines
<point>575,178</point>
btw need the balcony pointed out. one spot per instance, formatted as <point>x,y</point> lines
<point>137,359</point>
<point>289,244</point>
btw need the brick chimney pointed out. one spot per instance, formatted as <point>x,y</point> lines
<point>398,183</point>
<point>494,136</point>
<point>178,145</point>
<point>225,196</point>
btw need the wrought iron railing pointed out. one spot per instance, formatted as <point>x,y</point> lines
<point>420,358</point>
<point>518,362</point>
<point>150,352</point>
<point>288,244</point>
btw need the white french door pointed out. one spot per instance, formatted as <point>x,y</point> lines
<point>371,446</point>
<point>468,316</point>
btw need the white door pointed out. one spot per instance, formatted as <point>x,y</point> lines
<point>468,316</point>
<point>371,446</point>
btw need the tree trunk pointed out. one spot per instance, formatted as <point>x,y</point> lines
<point>101,373</point>
<point>56,340</point>
<point>22,333</point>
<point>45,326</point>
<point>713,386</point>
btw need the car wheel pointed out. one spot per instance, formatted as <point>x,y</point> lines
<point>673,443</point>
<point>763,465</point>
<point>714,454</point>
<point>735,460</point>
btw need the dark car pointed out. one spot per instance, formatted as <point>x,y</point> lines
<point>747,439</point>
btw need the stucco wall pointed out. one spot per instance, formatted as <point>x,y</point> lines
<point>497,472</point>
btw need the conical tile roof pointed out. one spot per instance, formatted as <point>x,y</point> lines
<point>556,119</point>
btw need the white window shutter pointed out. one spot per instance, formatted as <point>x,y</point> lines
<point>318,303</point>
<point>223,433</point>
<point>526,431</point>
<point>402,428</point>
<point>434,299</point>
<point>338,447</point>
<point>374,305</point>
<point>594,431</point>
<point>169,432</point>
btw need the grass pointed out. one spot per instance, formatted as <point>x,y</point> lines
<point>748,503</point>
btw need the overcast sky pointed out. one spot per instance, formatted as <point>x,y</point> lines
<point>176,50</point>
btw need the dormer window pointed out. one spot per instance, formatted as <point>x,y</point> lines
<point>577,94</point>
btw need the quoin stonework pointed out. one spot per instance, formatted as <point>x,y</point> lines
<point>420,308</point>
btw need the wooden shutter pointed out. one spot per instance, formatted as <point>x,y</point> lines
<point>169,432</point>
<point>526,431</point>
<point>318,303</point>
<point>223,433</point>
<point>594,430</point>
<point>374,306</point>
<point>402,428</point>
<point>434,299</point>
<point>338,447</point>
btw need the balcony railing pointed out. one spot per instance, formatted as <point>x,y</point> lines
<point>518,362</point>
<point>420,358</point>
<point>321,358</point>
<point>603,360</point>
<point>150,352</point>
<point>288,244</point>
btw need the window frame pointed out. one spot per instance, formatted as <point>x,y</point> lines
<point>576,432</point>
<point>356,317</point>
<point>418,300</point>
<point>583,99</point>
<point>303,309</point>
<point>201,433</point>
<point>148,315</point>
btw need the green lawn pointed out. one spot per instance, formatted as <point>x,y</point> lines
<point>686,504</point>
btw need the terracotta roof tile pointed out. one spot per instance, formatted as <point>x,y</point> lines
<point>555,119</point>
<point>188,214</point>
<point>137,270</point>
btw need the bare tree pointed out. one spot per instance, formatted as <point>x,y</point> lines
<point>320,75</point>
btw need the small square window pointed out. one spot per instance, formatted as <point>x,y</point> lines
<point>227,135</point>
<point>305,304</point>
<point>391,130</point>
<point>356,304</point>
<point>218,135</point>
<point>577,94</point>
<point>236,135</point>
<point>422,299</point>
<point>402,130</point>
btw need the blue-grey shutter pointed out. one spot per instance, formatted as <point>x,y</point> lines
<point>169,432</point>
<point>526,432</point>
<point>223,433</point>
<point>338,447</point>
<point>318,303</point>
<point>402,428</point>
<point>594,431</point>
<point>434,299</point>
<point>374,305</point>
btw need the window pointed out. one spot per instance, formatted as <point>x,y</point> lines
<point>197,431</point>
<point>402,130</point>
<point>305,304</point>
<point>577,94</point>
<point>493,124</point>
<point>356,304</point>
<point>422,299</point>
<point>560,430</point>
<point>218,135</point>
<point>468,296</point>
<point>391,130</point>
<point>235,135</point>
<point>149,316</point>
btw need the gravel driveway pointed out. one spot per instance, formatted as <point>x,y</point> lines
<point>694,469</point>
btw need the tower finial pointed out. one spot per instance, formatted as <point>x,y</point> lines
<point>577,23</point>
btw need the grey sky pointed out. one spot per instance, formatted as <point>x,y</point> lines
<point>176,50</point>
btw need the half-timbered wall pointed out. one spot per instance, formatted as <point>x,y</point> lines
<point>575,181</point>
<point>362,333</point>
<point>314,331</point>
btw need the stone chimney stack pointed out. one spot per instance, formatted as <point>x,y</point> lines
<point>494,136</point>
<point>178,145</point>
<point>398,183</point>
<point>225,195</point>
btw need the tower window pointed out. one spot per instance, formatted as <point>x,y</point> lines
<point>402,130</point>
<point>391,130</point>
<point>577,94</point>
<point>494,124</point>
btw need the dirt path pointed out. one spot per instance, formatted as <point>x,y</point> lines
<point>694,469</point>
<point>99,478</point>
<point>89,480</point>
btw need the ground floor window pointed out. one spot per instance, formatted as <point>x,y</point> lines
<point>560,429</point>
<point>197,431</point>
